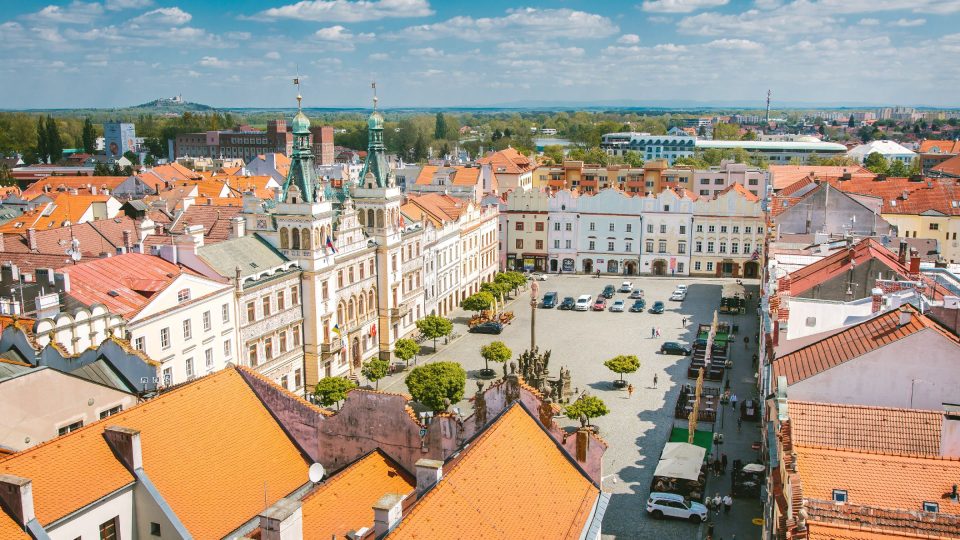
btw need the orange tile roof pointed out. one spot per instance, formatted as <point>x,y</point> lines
<point>459,176</point>
<point>214,218</point>
<point>135,278</point>
<point>53,183</point>
<point>747,194</point>
<point>508,161</point>
<point>415,213</point>
<point>63,210</point>
<point>852,343</point>
<point>937,194</point>
<point>784,175</point>
<point>878,480</point>
<point>933,146</point>
<point>803,279</point>
<point>513,480</point>
<point>234,464</point>
<point>9,530</point>
<point>439,206</point>
<point>949,167</point>
<point>865,524</point>
<point>345,502</point>
<point>863,428</point>
<point>174,172</point>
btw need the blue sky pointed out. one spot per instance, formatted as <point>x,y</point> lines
<point>243,53</point>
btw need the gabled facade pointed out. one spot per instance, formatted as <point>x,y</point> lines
<point>728,234</point>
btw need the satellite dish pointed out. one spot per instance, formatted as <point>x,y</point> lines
<point>316,472</point>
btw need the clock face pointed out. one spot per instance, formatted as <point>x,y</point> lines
<point>261,223</point>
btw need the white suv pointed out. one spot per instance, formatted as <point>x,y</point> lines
<point>583,303</point>
<point>661,505</point>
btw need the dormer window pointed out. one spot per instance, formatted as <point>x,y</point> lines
<point>931,507</point>
<point>840,496</point>
<point>183,295</point>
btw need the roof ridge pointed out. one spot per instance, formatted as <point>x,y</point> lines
<point>857,406</point>
<point>850,453</point>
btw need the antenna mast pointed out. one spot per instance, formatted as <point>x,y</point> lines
<point>768,107</point>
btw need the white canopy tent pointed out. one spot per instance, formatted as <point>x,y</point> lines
<point>680,460</point>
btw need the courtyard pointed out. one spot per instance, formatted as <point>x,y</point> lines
<point>637,427</point>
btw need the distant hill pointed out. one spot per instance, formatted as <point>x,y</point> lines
<point>167,105</point>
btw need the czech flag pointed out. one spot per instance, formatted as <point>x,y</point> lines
<point>330,245</point>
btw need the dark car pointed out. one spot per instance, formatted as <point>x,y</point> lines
<point>657,307</point>
<point>672,347</point>
<point>600,304</point>
<point>569,302</point>
<point>550,300</point>
<point>609,291</point>
<point>489,327</point>
<point>638,305</point>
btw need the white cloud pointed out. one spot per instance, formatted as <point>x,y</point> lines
<point>349,11</point>
<point>680,6</point>
<point>629,39</point>
<point>117,5</point>
<point>163,16</point>
<point>379,57</point>
<point>427,52</point>
<point>527,49</point>
<point>272,55</point>
<point>214,62</point>
<point>869,22</point>
<point>736,44</point>
<point>239,36</point>
<point>75,13</point>
<point>339,33</point>
<point>566,23</point>
<point>907,23</point>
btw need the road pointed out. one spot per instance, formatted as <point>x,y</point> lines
<point>638,427</point>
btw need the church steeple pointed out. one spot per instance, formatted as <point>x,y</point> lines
<point>376,172</point>
<point>302,175</point>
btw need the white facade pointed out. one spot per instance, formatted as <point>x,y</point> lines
<point>563,232</point>
<point>888,149</point>
<point>667,226</point>
<point>610,232</point>
<point>441,268</point>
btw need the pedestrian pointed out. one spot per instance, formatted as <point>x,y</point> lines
<point>653,332</point>
<point>684,323</point>
<point>733,401</point>
<point>739,423</point>
<point>658,331</point>
<point>723,461</point>
<point>654,380</point>
<point>630,391</point>
<point>710,530</point>
<point>727,503</point>
<point>717,502</point>
<point>755,358</point>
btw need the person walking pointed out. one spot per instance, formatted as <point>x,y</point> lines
<point>727,503</point>
<point>629,391</point>
<point>733,401</point>
<point>717,503</point>
<point>658,331</point>
<point>739,423</point>
<point>684,322</point>
<point>653,332</point>
<point>654,380</point>
<point>723,463</point>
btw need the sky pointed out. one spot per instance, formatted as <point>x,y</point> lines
<point>450,53</point>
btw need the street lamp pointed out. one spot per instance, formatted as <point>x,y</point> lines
<point>534,292</point>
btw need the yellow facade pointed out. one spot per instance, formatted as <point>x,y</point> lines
<point>944,229</point>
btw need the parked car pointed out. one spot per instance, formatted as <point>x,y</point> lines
<point>626,286</point>
<point>583,302</point>
<point>600,304</point>
<point>637,293</point>
<point>672,347</point>
<point>682,287</point>
<point>569,302</point>
<point>638,305</point>
<point>749,410</point>
<point>550,300</point>
<point>609,291</point>
<point>489,327</point>
<point>538,277</point>
<point>678,296</point>
<point>661,505</point>
<point>617,305</point>
<point>657,307</point>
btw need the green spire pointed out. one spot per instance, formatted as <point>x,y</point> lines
<point>302,173</point>
<point>376,162</point>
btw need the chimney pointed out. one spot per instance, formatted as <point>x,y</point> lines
<point>950,431</point>
<point>32,239</point>
<point>195,232</point>
<point>93,189</point>
<point>238,227</point>
<point>583,443</point>
<point>282,521</point>
<point>16,493</point>
<point>125,443</point>
<point>127,239</point>
<point>429,472</point>
<point>904,194</point>
<point>914,262</point>
<point>387,513</point>
<point>877,295</point>
<point>902,252</point>
<point>158,229</point>
<point>905,316</point>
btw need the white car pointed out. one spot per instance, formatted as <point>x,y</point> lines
<point>617,306</point>
<point>678,295</point>
<point>682,287</point>
<point>539,277</point>
<point>626,286</point>
<point>583,302</point>
<point>661,505</point>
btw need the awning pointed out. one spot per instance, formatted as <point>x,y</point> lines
<point>680,460</point>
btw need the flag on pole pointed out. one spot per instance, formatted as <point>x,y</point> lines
<point>336,330</point>
<point>330,245</point>
<point>296,80</point>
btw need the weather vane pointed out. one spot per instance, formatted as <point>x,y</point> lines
<point>374,86</point>
<point>296,81</point>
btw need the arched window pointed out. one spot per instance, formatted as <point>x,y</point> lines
<point>350,310</point>
<point>294,239</point>
<point>316,237</point>
<point>362,306</point>
<point>305,241</point>
<point>363,217</point>
<point>370,221</point>
<point>284,241</point>
<point>340,318</point>
<point>380,219</point>
<point>371,300</point>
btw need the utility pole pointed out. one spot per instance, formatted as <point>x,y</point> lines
<point>534,290</point>
<point>768,107</point>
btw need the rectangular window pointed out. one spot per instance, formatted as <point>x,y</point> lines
<point>140,343</point>
<point>207,323</point>
<point>649,246</point>
<point>183,295</point>
<point>296,336</point>
<point>609,246</point>
<point>723,228</point>
<point>519,226</point>
<point>710,247</point>
<point>252,354</point>
<point>736,229</point>
<point>281,301</point>
<point>188,367</point>
<point>746,247</point>
<point>538,226</point>
<point>760,231</point>
<point>567,244</point>
<point>340,278</point>
<point>662,246</point>
<point>266,306</point>
<point>225,313</point>
<point>628,247</point>
<point>752,182</point>
<point>680,267</point>
<point>187,329</point>
<point>663,229</point>
<point>705,181</point>
<point>298,378</point>
<point>934,226</point>
<point>154,529</point>
<point>650,228</point>
<point>72,427</point>
<point>698,247</point>
<point>109,529</point>
<point>593,226</point>
<point>164,338</point>
<point>696,265</point>
<point>208,358</point>
<point>251,312</point>
<point>519,243</point>
<point>666,208</point>
<point>226,348</point>
<point>699,228</point>
<point>682,248</point>
<point>748,229</point>
<point>840,495</point>
<point>284,382</point>
<point>704,192</point>
<point>931,507</point>
<point>611,227</point>
<point>538,244</point>
<point>592,245</point>
<point>711,228</point>
<point>734,248</point>
<point>718,181</point>
<point>569,226</point>
<point>709,267</point>
<point>556,226</point>
<point>268,349</point>
<point>723,247</point>
<point>283,342</point>
<point>167,376</point>
<point>683,229</point>
<point>556,244</point>
<point>629,227</point>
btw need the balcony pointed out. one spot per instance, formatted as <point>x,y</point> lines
<point>400,311</point>
<point>333,347</point>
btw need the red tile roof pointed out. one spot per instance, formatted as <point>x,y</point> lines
<point>950,167</point>
<point>747,194</point>
<point>937,194</point>
<point>439,206</point>
<point>784,175</point>
<point>214,218</point>
<point>65,209</point>
<point>854,342</point>
<point>933,146</point>
<point>96,238</point>
<point>459,176</point>
<point>54,184</point>
<point>866,429</point>
<point>508,161</point>
<point>803,279</point>
<point>514,478</point>
<point>133,278</point>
